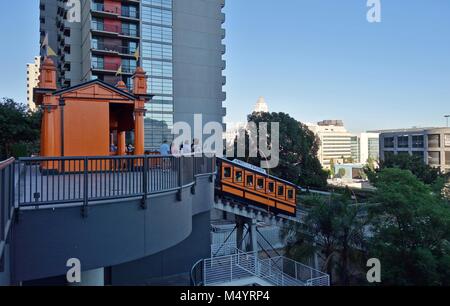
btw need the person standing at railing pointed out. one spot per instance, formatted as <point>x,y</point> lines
<point>196,147</point>
<point>164,151</point>
<point>187,149</point>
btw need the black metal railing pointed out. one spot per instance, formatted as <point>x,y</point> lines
<point>114,48</point>
<point>65,180</point>
<point>99,7</point>
<point>7,181</point>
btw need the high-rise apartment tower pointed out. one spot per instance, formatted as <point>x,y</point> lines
<point>177,42</point>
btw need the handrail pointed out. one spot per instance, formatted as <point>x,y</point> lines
<point>197,264</point>
<point>7,209</point>
<point>60,180</point>
<point>6,163</point>
<point>240,264</point>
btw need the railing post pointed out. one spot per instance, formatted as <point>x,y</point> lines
<point>213,167</point>
<point>180,179</point>
<point>194,173</point>
<point>2,205</point>
<point>84,210</point>
<point>231,267</point>
<point>13,186</point>
<point>145,170</point>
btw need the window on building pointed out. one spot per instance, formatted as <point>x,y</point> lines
<point>434,141</point>
<point>447,140</point>
<point>98,62</point>
<point>403,141</point>
<point>403,153</point>
<point>128,65</point>
<point>129,29</point>
<point>97,24</point>
<point>389,142</point>
<point>418,141</point>
<point>129,11</point>
<point>420,154</point>
<point>434,158</point>
<point>95,43</point>
<point>447,158</point>
<point>132,47</point>
<point>388,155</point>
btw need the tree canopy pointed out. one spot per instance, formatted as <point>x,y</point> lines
<point>298,151</point>
<point>333,230</point>
<point>411,231</point>
<point>19,129</point>
<point>413,163</point>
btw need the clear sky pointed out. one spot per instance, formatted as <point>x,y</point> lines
<point>321,59</point>
<point>314,59</point>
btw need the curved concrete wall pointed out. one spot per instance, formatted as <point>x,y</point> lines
<point>5,268</point>
<point>113,233</point>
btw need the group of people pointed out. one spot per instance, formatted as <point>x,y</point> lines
<point>114,149</point>
<point>187,148</point>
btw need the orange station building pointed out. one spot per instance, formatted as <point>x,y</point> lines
<point>90,119</point>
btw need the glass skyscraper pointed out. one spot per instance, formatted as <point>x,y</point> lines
<point>157,56</point>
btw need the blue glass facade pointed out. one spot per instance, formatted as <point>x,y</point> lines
<point>157,61</point>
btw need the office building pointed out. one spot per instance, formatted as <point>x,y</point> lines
<point>430,144</point>
<point>335,142</point>
<point>261,106</point>
<point>177,42</point>
<point>365,146</point>
<point>234,128</point>
<point>32,80</point>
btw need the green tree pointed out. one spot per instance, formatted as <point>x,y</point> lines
<point>333,229</point>
<point>332,168</point>
<point>411,230</point>
<point>298,151</point>
<point>371,164</point>
<point>19,129</point>
<point>415,164</point>
<point>341,173</point>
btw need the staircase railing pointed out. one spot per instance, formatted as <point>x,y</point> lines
<point>7,193</point>
<point>240,266</point>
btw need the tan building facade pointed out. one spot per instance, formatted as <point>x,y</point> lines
<point>32,80</point>
<point>335,142</point>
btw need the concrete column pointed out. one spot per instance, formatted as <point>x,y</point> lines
<point>239,232</point>
<point>253,247</point>
<point>316,259</point>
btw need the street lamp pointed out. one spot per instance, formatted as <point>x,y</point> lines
<point>447,117</point>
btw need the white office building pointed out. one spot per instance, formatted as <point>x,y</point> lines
<point>32,80</point>
<point>335,142</point>
<point>233,128</point>
<point>261,106</point>
<point>365,146</point>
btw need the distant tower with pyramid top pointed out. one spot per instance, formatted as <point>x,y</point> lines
<point>261,106</point>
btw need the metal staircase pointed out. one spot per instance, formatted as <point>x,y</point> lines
<point>237,268</point>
